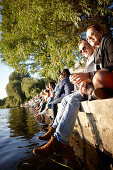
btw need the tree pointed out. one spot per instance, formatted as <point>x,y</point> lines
<point>14,92</point>
<point>31,87</point>
<point>22,87</point>
<point>40,35</point>
<point>18,76</point>
<point>2,102</point>
<point>15,95</point>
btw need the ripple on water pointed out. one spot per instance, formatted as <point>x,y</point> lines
<point>18,136</point>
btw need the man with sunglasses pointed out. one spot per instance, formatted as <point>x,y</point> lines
<point>60,132</point>
<point>103,78</point>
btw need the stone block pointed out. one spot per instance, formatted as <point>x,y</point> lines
<point>95,123</point>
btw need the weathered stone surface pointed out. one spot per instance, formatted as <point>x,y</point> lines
<point>98,106</point>
<point>95,123</point>
<point>88,155</point>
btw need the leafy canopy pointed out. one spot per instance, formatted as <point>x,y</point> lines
<point>40,35</point>
<point>22,87</point>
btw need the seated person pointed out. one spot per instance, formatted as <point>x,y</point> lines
<point>60,132</point>
<point>49,99</point>
<point>45,95</point>
<point>65,88</point>
<point>103,78</point>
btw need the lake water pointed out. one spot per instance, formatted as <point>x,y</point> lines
<point>18,137</point>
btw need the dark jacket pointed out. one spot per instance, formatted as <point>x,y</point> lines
<point>104,54</point>
<point>65,87</point>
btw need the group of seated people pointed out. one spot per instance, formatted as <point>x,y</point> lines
<point>95,83</point>
<point>53,94</point>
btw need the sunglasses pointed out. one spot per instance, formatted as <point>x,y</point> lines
<point>83,49</point>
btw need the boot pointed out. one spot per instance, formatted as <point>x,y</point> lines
<point>48,134</point>
<point>49,148</point>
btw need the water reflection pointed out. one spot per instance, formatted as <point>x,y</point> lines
<point>18,136</point>
<point>22,123</point>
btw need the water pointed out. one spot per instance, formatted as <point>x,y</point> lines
<point>18,137</point>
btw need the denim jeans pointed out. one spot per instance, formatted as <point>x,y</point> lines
<point>65,119</point>
<point>48,106</point>
<point>43,106</point>
<point>54,106</point>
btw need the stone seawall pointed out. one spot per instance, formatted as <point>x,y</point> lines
<point>95,123</point>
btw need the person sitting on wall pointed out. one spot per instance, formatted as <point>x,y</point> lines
<point>65,88</point>
<point>49,99</point>
<point>103,78</point>
<point>60,132</point>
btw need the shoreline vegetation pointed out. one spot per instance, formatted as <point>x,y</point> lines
<point>21,89</point>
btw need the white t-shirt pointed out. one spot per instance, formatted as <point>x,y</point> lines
<point>90,65</point>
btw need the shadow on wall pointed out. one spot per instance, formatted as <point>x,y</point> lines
<point>91,157</point>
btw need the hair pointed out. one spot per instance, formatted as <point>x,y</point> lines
<point>81,41</point>
<point>66,72</point>
<point>96,27</point>
<point>52,84</point>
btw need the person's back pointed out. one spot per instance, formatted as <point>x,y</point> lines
<point>65,88</point>
<point>68,86</point>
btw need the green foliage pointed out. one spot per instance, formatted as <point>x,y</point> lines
<point>31,87</point>
<point>14,92</point>
<point>21,87</point>
<point>15,96</point>
<point>40,35</point>
<point>2,102</point>
<point>18,76</point>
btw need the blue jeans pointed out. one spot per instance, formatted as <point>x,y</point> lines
<point>43,106</point>
<point>54,106</point>
<point>65,119</point>
<point>48,104</point>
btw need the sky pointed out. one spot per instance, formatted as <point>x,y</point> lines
<point>5,72</point>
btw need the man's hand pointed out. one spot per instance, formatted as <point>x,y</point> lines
<point>79,77</point>
<point>83,89</point>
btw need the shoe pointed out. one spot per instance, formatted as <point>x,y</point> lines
<point>48,134</point>
<point>52,146</point>
<point>103,93</point>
